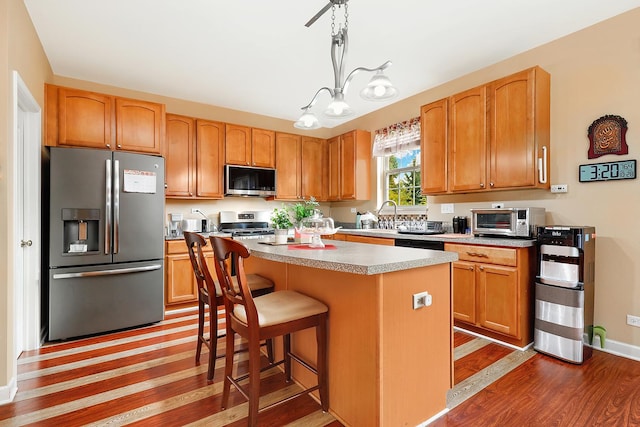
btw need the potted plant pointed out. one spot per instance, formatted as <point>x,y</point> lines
<point>281,221</point>
<point>300,211</point>
<point>304,210</point>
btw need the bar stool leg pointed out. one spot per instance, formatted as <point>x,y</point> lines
<point>321,341</point>
<point>254,381</point>
<point>228,366</point>
<point>213,339</point>
<point>286,339</point>
<point>200,330</point>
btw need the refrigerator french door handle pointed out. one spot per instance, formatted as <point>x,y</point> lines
<point>107,210</point>
<point>116,207</point>
<point>107,272</point>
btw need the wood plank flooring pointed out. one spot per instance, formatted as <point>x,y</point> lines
<point>148,377</point>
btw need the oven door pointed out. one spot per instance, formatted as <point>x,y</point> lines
<point>494,222</point>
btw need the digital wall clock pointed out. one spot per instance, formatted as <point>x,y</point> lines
<point>608,171</point>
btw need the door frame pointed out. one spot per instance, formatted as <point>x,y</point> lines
<point>25,105</point>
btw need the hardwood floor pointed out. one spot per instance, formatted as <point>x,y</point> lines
<point>544,391</point>
<point>145,376</point>
<point>148,377</point>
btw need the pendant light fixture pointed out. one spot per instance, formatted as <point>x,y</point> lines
<point>378,89</point>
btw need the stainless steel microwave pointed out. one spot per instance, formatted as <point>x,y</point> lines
<point>507,222</point>
<point>249,181</point>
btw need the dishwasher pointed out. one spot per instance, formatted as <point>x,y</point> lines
<point>420,244</point>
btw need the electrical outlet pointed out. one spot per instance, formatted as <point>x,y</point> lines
<point>633,320</point>
<point>446,208</point>
<point>559,188</point>
<point>422,299</point>
<point>497,205</point>
<point>194,210</point>
<point>353,210</point>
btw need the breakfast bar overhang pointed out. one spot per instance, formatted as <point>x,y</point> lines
<point>389,364</point>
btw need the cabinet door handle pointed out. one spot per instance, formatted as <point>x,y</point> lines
<point>471,268</point>
<point>542,166</point>
<point>491,184</point>
<point>482,185</point>
<point>481,268</point>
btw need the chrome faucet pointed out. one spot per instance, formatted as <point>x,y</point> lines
<point>395,211</point>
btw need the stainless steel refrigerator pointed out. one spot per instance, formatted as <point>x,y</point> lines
<point>105,241</point>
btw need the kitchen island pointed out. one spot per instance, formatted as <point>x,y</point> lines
<point>389,364</point>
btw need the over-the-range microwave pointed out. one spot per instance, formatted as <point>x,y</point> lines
<point>249,181</point>
<point>507,222</point>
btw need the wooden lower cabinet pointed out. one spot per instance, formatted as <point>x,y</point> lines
<point>181,285</point>
<point>493,291</point>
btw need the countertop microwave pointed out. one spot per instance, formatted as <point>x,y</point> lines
<point>507,222</point>
<point>249,181</point>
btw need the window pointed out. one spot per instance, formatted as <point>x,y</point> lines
<point>402,178</point>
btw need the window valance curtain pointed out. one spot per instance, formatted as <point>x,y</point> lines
<point>394,139</point>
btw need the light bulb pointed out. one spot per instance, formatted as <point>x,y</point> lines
<point>379,90</point>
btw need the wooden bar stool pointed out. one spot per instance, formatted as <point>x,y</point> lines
<point>279,313</point>
<point>210,298</point>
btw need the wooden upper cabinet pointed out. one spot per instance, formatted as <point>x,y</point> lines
<point>238,145</point>
<point>79,118</point>
<point>519,129</point>
<point>468,140</point>
<point>194,158</point>
<point>250,147</point>
<point>314,168</point>
<point>263,148</point>
<point>350,166</point>
<point>433,147</point>
<point>139,126</point>
<point>180,153</point>
<point>210,138</point>
<point>84,119</point>
<point>288,172</point>
<point>496,137</point>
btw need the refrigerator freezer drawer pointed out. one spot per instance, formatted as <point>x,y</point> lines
<point>85,301</point>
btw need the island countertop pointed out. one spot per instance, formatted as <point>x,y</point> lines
<point>350,257</point>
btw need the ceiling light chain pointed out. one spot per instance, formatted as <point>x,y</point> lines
<point>378,89</point>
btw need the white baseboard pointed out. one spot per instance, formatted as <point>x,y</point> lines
<point>618,348</point>
<point>432,419</point>
<point>506,344</point>
<point>8,392</point>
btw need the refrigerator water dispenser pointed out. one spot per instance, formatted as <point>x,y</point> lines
<point>81,231</point>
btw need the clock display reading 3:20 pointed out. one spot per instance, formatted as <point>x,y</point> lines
<point>625,169</point>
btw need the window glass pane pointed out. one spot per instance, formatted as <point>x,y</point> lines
<point>403,187</point>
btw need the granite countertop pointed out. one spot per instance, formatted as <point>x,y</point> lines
<point>447,238</point>
<point>349,257</point>
<point>181,237</point>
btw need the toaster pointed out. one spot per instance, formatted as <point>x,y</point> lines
<point>193,225</point>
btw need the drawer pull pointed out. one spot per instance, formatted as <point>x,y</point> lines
<point>478,254</point>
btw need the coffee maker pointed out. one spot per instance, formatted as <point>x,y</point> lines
<point>175,220</point>
<point>565,292</point>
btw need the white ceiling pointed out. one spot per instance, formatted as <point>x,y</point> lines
<point>257,55</point>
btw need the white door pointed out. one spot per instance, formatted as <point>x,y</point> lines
<point>27,155</point>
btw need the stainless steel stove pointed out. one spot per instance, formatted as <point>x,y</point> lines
<point>246,225</point>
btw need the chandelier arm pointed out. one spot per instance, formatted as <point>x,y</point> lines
<point>315,97</point>
<point>357,70</point>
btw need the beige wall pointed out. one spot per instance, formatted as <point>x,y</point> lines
<point>594,72</point>
<point>20,50</point>
<point>6,368</point>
